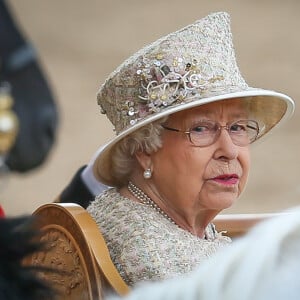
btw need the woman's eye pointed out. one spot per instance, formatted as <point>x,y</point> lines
<point>237,128</point>
<point>203,128</point>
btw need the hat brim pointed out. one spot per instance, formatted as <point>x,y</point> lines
<point>270,107</point>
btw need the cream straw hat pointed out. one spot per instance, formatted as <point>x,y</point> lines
<point>190,67</point>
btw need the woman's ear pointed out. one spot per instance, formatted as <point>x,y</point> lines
<point>144,160</point>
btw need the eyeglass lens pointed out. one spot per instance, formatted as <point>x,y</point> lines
<point>242,132</point>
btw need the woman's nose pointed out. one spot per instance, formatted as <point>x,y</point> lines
<point>225,148</point>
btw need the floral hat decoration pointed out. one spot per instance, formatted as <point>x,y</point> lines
<point>187,68</point>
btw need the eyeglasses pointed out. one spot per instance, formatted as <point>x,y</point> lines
<point>205,133</point>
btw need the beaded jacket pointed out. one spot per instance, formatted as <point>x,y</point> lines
<point>146,246</point>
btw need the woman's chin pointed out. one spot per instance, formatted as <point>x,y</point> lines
<point>222,201</point>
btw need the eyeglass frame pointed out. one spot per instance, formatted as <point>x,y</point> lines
<point>218,132</point>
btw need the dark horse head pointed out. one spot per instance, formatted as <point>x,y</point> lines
<point>33,100</point>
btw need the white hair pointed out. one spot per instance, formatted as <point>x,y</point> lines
<point>146,139</point>
<point>265,264</point>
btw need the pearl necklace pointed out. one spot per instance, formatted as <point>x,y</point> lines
<point>145,199</point>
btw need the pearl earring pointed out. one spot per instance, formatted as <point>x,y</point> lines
<point>147,173</point>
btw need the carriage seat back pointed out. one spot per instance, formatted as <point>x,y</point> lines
<point>76,247</point>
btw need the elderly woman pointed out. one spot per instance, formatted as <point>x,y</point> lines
<point>184,119</point>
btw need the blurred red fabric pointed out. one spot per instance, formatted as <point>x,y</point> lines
<point>2,214</point>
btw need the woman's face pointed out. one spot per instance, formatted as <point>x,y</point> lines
<point>190,178</point>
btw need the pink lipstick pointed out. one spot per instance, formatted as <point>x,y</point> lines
<point>227,179</point>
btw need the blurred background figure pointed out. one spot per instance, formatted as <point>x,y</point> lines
<point>30,95</point>
<point>28,123</point>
